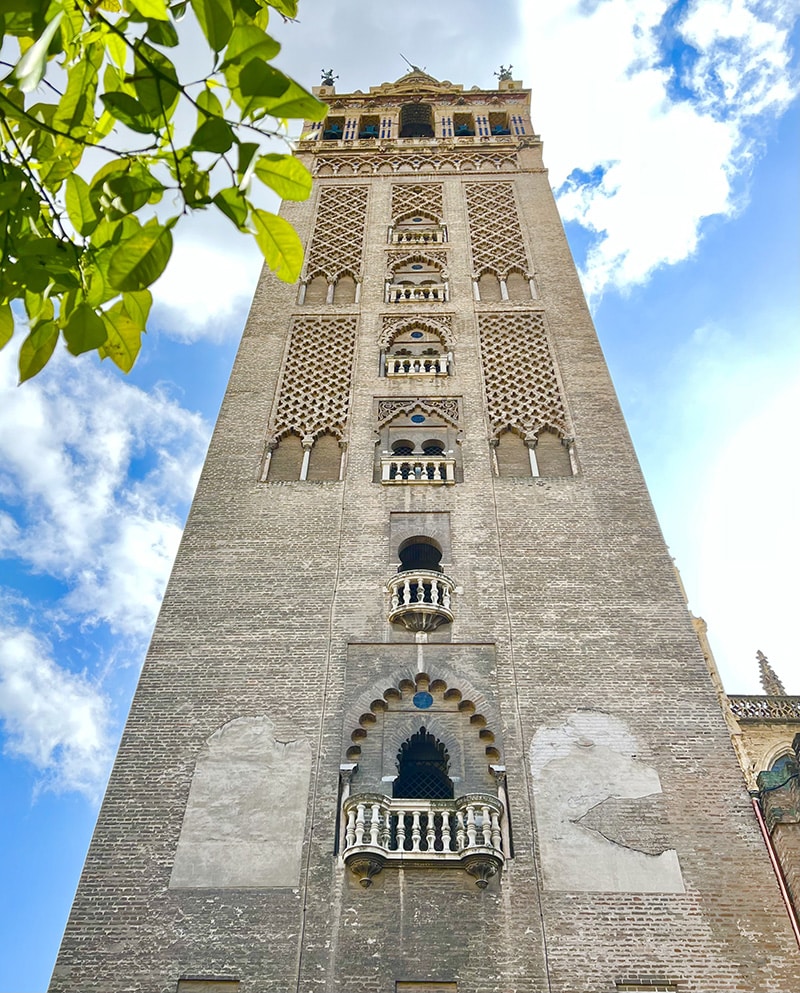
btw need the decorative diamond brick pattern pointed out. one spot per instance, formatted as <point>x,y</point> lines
<point>337,245</point>
<point>495,234</point>
<point>521,386</point>
<point>408,200</point>
<point>316,386</point>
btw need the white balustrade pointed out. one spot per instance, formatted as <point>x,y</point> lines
<point>417,365</point>
<point>417,469</point>
<point>413,293</point>
<point>421,236</point>
<point>420,599</point>
<point>420,830</point>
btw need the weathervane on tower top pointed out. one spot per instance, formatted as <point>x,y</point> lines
<point>411,64</point>
<point>504,73</point>
<point>328,78</point>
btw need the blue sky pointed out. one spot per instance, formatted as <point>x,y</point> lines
<point>671,132</point>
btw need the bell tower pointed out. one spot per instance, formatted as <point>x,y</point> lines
<point>424,710</point>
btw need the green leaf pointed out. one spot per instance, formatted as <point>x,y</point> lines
<point>216,20</point>
<point>37,349</point>
<point>214,135</point>
<point>155,81</point>
<point>209,102</point>
<point>249,42</point>
<point>279,244</point>
<point>257,79</point>
<point>84,330</point>
<point>246,164</point>
<point>129,111</point>
<point>29,71</point>
<point>138,261</point>
<point>79,205</point>
<point>285,174</point>
<point>233,205</point>
<point>162,33</point>
<point>297,102</point>
<point>286,7</point>
<point>138,305</point>
<point>124,337</point>
<point>155,9</point>
<point>6,324</point>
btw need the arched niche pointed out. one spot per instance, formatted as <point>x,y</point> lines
<point>325,459</point>
<point>455,719</point>
<point>286,460</point>
<point>512,454</point>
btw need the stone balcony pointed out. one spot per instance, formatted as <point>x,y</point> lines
<point>423,236</point>
<point>417,365</point>
<point>412,469</point>
<point>420,599</point>
<point>765,708</point>
<point>464,833</point>
<point>424,293</point>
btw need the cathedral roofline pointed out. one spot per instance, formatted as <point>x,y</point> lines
<point>418,84</point>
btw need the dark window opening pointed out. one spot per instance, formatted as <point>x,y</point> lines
<point>369,127</point>
<point>419,553</point>
<point>463,125</point>
<point>422,765</point>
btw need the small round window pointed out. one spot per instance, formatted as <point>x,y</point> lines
<point>417,267</point>
<point>416,220</point>
<point>417,334</point>
<point>418,418</point>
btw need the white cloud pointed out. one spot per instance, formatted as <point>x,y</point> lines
<point>53,718</point>
<point>208,285</point>
<point>69,441</point>
<point>668,162</point>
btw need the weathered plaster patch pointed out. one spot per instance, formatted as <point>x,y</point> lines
<point>588,788</point>
<point>244,819</point>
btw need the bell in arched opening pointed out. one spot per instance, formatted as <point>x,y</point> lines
<point>422,765</point>
<point>416,121</point>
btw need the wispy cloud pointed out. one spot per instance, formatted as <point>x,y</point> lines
<point>55,719</point>
<point>94,481</point>
<point>671,144</point>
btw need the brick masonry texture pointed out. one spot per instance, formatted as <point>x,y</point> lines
<point>276,607</point>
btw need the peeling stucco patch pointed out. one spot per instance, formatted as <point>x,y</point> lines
<point>598,810</point>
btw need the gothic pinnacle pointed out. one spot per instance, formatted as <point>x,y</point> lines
<point>769,679</point>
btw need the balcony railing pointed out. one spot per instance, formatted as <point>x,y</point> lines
<point>425,236</point>
<point>416,365</point>
<point>420,599</point>
<point>417,469</point>
<point>465,832</point>
<point>428,293</point>
<point>765,708</point>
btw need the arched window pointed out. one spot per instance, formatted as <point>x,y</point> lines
<point>286,460</point>
<point>419,553</point>
<point>422,765</point>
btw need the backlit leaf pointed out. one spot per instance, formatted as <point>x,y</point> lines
<point>216,20</point>
<point>155,9</point>
<point>6,324</point>
<point>233,205</point>
<point>37,349</point>
<point>214,135</point>
<point>279,244</point>
<point>30,69</point>
<point>124,337</point>
<point>285,174</point>
<point>138,261</point>
<point>79,205</point>
<point>84,330</point>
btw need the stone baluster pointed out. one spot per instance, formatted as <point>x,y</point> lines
<point>350,836</point>
<point>471,827</point>
<point>446,599</point>
<point>386,835</point>
<point>360,824</point>
<point>430,832</point>
<point>407,591</point>
<point>497,837</point>
<point>461,835</point>
<point>486,826</point>
<point>395,597</point>
<point>445,830</point>
<point>416,833</point>
<point>420,591</point>
<point>434,591</point>
<point>401,830</point>
<point>375,825</point>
